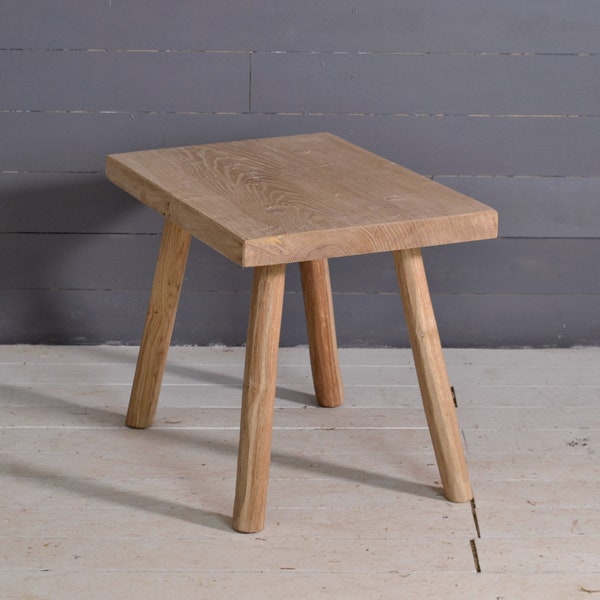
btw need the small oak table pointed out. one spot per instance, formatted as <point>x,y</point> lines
<point>264,203</point>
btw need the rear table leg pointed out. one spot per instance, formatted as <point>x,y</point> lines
<point>320,323</point>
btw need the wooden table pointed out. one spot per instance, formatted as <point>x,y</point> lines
<point>264,203</point>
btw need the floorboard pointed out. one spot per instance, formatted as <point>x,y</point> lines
<point>89,508</point>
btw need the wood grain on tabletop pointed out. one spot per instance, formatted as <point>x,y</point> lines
<point>295,198</point>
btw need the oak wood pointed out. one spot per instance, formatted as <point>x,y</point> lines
<point>320,323</point>
<point>258,398</point>
<point>265,203</point>
<point>298,198</point>
<point>433,378</point>
<point>160,318</point>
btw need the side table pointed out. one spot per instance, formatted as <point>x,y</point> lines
<point>264,203</point>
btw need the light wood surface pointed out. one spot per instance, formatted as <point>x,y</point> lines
<point>91,509</point>
<point>320,323</point>
<point>432,374</point>
<point>298,198</point>
<point>268,202</point>
<point>258,398</point>
<point>160,319</point>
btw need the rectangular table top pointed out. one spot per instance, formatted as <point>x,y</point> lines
<point>296,198</point>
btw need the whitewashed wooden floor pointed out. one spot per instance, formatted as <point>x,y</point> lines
<point>91,509</point>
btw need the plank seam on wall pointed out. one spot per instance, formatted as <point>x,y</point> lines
<point>324,52</point>
<point>297,113</point>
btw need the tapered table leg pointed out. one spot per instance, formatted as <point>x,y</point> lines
<point>258,399</point>
<point>160,318</point>
<point>320,323</point>
<point>432,375</point>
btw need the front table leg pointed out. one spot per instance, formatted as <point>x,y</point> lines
<point>160,318</point>
<point>432,375</point>
<point>258,399</point>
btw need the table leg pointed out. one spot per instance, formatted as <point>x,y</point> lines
<point>160,318</point>
<point>258,399</point>
<point>320,323</point>
<point>432,375</point>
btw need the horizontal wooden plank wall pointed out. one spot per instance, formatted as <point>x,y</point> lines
<point>498,100</point>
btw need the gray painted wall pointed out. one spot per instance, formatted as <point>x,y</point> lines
<point>498,100</point>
